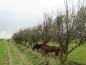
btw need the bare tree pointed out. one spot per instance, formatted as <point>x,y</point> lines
<point>47,25</point>
<point>70,27</point>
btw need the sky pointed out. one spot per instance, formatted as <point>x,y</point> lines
<point>20,14</point>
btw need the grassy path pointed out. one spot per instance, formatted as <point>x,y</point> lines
<point>10,55</point>
<point>13,55</point>
<point>21,56</point>
<point>20,59</point>
<point>4,59</point>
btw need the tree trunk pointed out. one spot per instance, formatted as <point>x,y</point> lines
<point>63,59</point>
<point>63,54</point>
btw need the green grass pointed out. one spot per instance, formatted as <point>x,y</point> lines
<point>78,55</point>
<point>35,60</point>
<point>14,55</point>
<point>31,58</point>
<point>3,54</point>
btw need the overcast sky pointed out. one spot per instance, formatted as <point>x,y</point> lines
<point>19,14</point>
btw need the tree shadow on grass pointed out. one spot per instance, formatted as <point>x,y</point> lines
<point>74,63</point>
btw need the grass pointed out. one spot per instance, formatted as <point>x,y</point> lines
<point>78,55</point>
<point>3,54</point>
<point>14,55</point>
<point>31,58</point>
<point>37,58</point>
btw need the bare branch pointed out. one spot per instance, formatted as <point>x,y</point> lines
<point>75,47</point>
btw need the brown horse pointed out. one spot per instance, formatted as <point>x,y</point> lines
<point>47,49</point>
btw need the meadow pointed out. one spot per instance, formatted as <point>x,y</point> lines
<point>13,54</point>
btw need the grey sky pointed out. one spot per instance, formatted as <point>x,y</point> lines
<point>18,14</point>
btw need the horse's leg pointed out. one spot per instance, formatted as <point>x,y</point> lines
<point>45,53</point>
<point>56,54</point>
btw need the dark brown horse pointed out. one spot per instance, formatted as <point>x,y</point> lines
<point>47,49</point>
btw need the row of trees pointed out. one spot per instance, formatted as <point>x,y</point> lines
<point>67,27</point>
<point>35,34</point>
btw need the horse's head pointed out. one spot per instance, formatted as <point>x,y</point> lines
<point>37,46</point>
<point>34,47</point>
